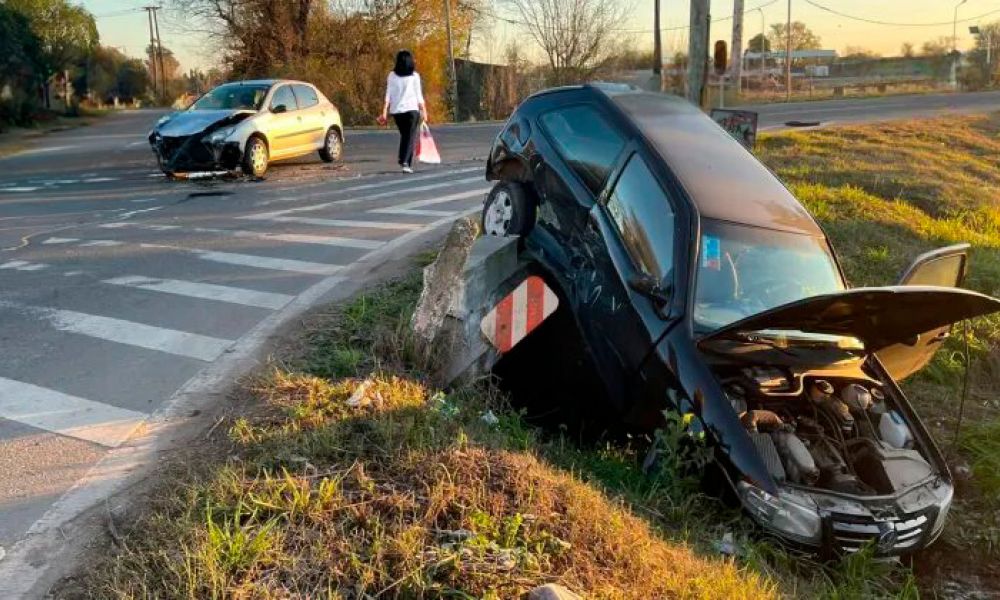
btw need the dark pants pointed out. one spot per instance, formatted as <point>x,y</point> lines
<point>408,124</point>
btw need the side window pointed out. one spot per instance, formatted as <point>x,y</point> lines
<point>642,214</point>
<point>306,96</point>
<point>284,95</point>
<point>586,140</point>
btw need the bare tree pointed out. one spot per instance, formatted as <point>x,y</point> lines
<point>575,35</point>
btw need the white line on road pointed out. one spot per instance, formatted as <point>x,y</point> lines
<point>67,415</point>
<point>260,262</point>
<point>297,238</point>
<point>18,189</point>
<point>102,243</point>
<point>415,207</point>
<point>171,341</point>
<point>370,197</point>
<point>59,240</point>
<point>205,291</point>
<point>347,223</point>
<point>22,265</point>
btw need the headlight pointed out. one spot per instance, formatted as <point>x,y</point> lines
<point>790,514</point>
<point>220,135</point>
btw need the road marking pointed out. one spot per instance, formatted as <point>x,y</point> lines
<point>100,179</point>
<point>260,262</point>
<point>205,291</point>
<point>102,244</point>
<point>346,223</point>
<point>370,186</point>
<point>23,265</point>
<point>73,273</point>
<point>297,238</point>
<point>18,189</point>
<point>75,417</point>
<point>171,341</point>
<point>132,213</point>
<point>390,194</point>
<point>416,207</point>
<point>59,240</point>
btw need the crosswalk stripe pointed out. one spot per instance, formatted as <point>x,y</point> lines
<point>102,243</point>
<point>416,207</point>
<point>297,238</point>
<point>59,240</point>
<point>171,341</point>
<point>267,216</point>
<point>23,265</point>
<point>204,291</point>
<point>252,260</point>
<point>347,223</point>
<point>67,415</point>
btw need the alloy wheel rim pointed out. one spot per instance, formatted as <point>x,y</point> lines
<point>257,159</point>
<point>333,144</point>
<point>499,214</point>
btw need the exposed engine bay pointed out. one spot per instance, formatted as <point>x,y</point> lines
<point>828,432</point>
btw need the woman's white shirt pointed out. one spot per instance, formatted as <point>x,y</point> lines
<point>403,93</point>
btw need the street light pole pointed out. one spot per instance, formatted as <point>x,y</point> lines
<point>763,40</point>
<point>954,27</point>
<point>788,54</point>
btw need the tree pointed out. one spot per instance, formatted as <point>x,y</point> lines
<point>66,33</point>
<point>860,52</point>
<point>802,37</point>
<point>20,67</point>
<point>576,36</point>
<point>906,50</point>
<point>937,47</point>
<point>759,43</point>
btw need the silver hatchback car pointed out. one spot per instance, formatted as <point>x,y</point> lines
<point>248,124</point>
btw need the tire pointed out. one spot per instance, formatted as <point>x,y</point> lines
<point>508,211</point>
<point>333,146</point>
<point>255,158</point>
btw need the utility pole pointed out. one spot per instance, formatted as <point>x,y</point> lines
<point>153,69</point>
<point>698,52</point>
<point>159,52</point>
<point>453,91</point>
<point>788,54</point>
<point>736,60</point>
<point>657,47</point>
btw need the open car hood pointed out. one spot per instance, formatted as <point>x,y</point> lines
<point>190,122</point>
<point>879,317</point>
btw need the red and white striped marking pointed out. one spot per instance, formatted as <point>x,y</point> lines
<point>519,313</point>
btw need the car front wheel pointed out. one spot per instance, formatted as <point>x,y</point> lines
<point>333,147</point>
<point>508,210</point>
<point>255,157</point>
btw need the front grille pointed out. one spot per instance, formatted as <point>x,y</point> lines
<point>168,146</point>
<point>897,535</point>
<point>185,150</point>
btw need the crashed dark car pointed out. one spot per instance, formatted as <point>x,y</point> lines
<point>248,124</point>
<point>699,284</point>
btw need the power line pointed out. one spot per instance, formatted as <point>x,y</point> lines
<point>895,24</point>
<point>512,21</point>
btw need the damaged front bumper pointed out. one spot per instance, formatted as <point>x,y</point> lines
<point>832,524</point>
<point>199,152</point>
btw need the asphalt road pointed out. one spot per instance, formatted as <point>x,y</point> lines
<point>118,288</point>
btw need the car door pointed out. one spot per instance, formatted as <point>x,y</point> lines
<point>631,239</point>
<point>313,121</point>
<point>945,267</point>
<point>285,124</point>
<point>571,157</point>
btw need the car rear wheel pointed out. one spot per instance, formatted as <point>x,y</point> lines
<point>508,210</point>
<point>255,157</point>
<point>333,148</point>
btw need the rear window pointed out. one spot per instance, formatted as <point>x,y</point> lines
<point>586,140</point>
<point>306,95</point>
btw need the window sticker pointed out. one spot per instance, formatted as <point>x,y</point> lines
<point>711,253</point>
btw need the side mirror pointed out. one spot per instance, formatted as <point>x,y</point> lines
<point>648,286</point>
<point>943,267</point>
<point>279,109</point>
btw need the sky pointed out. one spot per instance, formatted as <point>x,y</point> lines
<point>129,31</point>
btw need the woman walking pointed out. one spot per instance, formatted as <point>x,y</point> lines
<point>404,100</point>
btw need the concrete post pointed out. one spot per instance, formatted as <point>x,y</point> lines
<point>698,52</point>
<point>736,53</point>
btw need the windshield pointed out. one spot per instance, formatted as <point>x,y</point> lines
<point>233,96</point>
<point>745,270</point>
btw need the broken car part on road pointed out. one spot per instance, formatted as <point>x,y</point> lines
<point>699,284</point>
<point>247,125</point>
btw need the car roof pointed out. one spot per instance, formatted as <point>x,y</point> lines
<point>263,82</point>
<point>723,180</point>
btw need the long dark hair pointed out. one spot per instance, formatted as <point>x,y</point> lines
<point>405,65</point>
